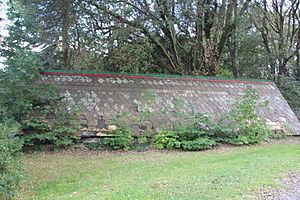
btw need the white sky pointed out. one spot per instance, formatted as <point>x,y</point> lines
<point>3,25</point>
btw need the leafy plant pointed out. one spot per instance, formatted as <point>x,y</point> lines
<point>10,165</point>
<point>194,137</point>
<point>199,125</point>
<point>177,140</point>
<point>94,145</point>
<point>143,140</point>
<point>51,124</point>
<point>42,114</point>
<point>242,125</point>
<point>200,143</point>
<point>122,138</point>
<point>165,140</point>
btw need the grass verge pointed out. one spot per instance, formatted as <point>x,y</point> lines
<point>230,173</point>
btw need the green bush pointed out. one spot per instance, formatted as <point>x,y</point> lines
<point>165,140</point>
<point>189,133</point>
<point>94,145</point>
<point>200,143</point>
<point>122,138</point>
<point>36,106</point>
<point>242,125</point>
<point>143,141</point>
<point>239,127</point>
<point>10,165</point>
<point>51,124</point>
<point>184,138</point>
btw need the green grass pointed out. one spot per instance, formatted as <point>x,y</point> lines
<point>230,173</point>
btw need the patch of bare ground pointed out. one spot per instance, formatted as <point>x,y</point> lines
<point>81,150</point>
<point>285,140</point>
<point>289,191</point>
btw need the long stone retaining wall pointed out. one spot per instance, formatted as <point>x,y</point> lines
<point>158,100</point>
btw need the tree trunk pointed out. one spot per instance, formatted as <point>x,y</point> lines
<point>233,45</point>
<point>297,70</point>
<point>232,53</point>
<point>65,36</point>
<point>199,59</point>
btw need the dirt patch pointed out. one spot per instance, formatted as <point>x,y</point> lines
<point>286,140</point>
<point>81,150</point>
<point>290,191</point>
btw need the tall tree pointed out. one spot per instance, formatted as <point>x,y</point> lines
<point>278,21</point>
<point>190,35</point>
<point>54,20</point>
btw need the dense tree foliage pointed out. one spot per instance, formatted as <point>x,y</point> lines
<point>257,39</point>
<point>197,37</point>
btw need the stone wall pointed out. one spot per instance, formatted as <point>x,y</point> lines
<point>163,98</point>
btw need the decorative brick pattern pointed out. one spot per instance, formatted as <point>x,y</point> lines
<point>106,95</point>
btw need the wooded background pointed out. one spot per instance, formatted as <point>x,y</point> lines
<point>231,38</point>
<point>207,37</point>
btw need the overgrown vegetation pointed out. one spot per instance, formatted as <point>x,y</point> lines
<point>122,138</point>
<point>240,126</point>
<point>51,124</point>
<point>43,115</point>
<point>191,137</point>
<point>10,163</point>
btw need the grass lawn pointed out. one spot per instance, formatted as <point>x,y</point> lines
<point>230,173</point>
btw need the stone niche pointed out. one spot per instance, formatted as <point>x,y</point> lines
<point>108,95</point>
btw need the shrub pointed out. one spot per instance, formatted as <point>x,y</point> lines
<point>122,138</point>
<point>181,140</point>
<point>196,136</point>
<point>200,143</point>
<point>242,124</point>
<point>51,124</point>
<point>201,126</point>
<point>188,134</point>
<point>36,106</point>
<point>94,145</point>
<point>165,140</point>
<point>10,165</point>
<point>143,140</point>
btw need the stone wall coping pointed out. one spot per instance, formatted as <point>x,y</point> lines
<point>141,76</point>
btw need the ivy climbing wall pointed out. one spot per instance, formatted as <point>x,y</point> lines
<point>157,101</point>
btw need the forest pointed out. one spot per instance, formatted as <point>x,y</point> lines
<point>258,39</point>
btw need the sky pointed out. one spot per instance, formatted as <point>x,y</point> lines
<point>3,26</point>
